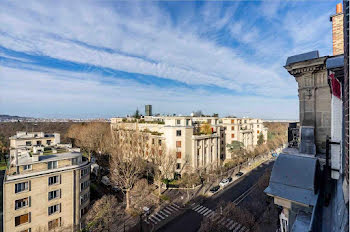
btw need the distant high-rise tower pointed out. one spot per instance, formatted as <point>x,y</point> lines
<point>148,110</point>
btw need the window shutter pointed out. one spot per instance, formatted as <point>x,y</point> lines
<point>60,179</point>
<point>30,201</point>
<point>60,207</point>
<point>30,186</point>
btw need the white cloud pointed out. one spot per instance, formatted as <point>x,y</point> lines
<point>180,56</point>
<point>52,94</point>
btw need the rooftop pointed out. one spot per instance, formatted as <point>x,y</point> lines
<point>302,57</point>
<point>24,160</point>
<point>293,178</point>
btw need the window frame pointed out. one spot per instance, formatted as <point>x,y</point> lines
<point>22,206</point>
<point>178,133</point>
<point>26,184</point>
<point>19,218</point>
<point>178,144</point>
<point>55,183</point>
<point>58,195</point>
<point>52,164</point>
<point>27,167</point>
<point>56,206</point>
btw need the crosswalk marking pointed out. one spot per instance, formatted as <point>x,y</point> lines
<point>167,211</point>
<point>208,212</point>
<point>220,219</point>
<point>175,205</point>
<point>172,207</point>
<point>202,210</point>
<point>154,217</point>
<point>233,226</point>
<point>199,208</point>
<point>161,212</point>
<point>237,228</point>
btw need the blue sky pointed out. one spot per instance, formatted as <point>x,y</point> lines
<point>86,59</point>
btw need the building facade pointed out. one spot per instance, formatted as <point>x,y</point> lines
<point>194,147</point>
<point>46,191</point>
<point>244,130</point>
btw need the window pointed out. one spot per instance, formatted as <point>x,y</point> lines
<point>48,142</point>
<point>84,198</point>
<point>38,143</point>
<point>257,126</point>
<point>52,165</point>
<point>258,131</point>
<point>54,194</point>
<point>20,187</point>
<point>178,155</point>
<point>232,121</point>
<point>178,122</point>
<point>54,223</point>
<point>152,141</point>
<point>160,142</point>
<point>54,209</point>
<point>178,166</point>
<point>178,143</point>
<point>28,143</point>
<point>245,121</point>
<point>84,185</point>
<point>232,135</point>
<point>27,167</point>
<point>74,161</point>
<point>232,127</point>
<point>187,122</point>
<point>53,180</point>
<point>84,172</point>
<point>83,211</point>
<point>19,220</point>
<point>178,133</point>
<point>21,203</point>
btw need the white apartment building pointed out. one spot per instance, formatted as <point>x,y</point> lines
<point>181,135</point>
<point>45,189</point>
<point>195,150</point>
<point>245,130</point>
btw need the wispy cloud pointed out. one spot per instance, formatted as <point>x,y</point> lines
<point>204,49</point>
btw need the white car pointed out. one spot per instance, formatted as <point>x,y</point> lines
<point>105,181</point>
<point>224,182</point>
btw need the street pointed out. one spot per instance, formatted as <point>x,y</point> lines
<point>191,220</point>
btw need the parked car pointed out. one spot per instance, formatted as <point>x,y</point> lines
<point>229,179</point>
<point>214,189</point>
<point>105,181</point>
<point>224,182</point>
<point>239,174</point>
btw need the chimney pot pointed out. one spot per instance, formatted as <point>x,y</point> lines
<point>339,8</point>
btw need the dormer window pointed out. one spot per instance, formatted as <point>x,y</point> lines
<point>52,164</point>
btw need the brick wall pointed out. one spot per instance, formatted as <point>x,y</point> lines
<point>338,35</point>
<point>346,86</point>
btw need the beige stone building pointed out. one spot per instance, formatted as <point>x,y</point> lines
<point>182,137</point>
<point>44,190</point>
<point>194,149</point>
<point>244,130</point>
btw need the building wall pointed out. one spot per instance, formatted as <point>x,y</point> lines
<point>314,97</point>
<point>39,203</point>
<point>346,87</point>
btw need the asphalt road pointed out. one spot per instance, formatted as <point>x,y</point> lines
<point>191,220</point>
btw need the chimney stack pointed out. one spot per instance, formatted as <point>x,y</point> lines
<point>337,31</point>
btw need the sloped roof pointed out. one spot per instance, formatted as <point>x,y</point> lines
<point>335,62</point>
<point>302,57</point>
<point>293,178</point>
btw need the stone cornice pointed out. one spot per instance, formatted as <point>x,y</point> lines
<point>308,66</point>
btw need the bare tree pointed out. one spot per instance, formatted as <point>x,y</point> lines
<point>164,162</point>
<point>127,164</point>
<point>189,181</point>
<point>91,137</point>
<point>104,213</point>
